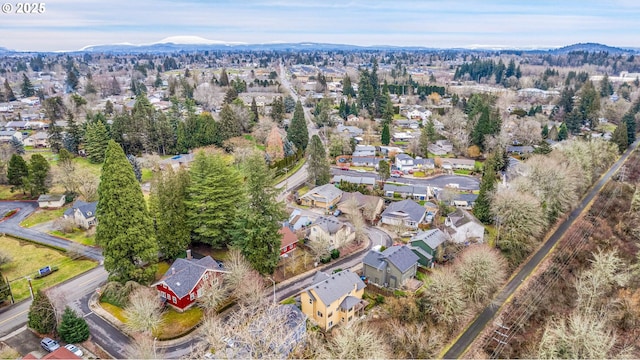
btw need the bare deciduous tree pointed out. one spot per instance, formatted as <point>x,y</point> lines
<point>356,341</point>
<point>481,271</point>
<point>595,284</point>
<point>320,247</point>
<point>143,347</point>
<point>444,298</point>
<point>593,156</point>
<point>213,294</point>
<point>144,311</point>
<point>87,184</point>
<point>457,127</point>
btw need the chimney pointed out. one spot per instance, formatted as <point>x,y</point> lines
<point>189,254</point>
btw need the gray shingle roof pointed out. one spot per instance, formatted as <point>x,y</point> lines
<point>349,302</point>
<point>374,259</point>
<point>419,190</point>
<point>50,197</point>
<point>327,191</point>
<point>354,179</point>
<point>183,275</point>
<point>461,217</point>
<point>408,207</point>
<point>336,285</point>
<point>466,197</point>
<point>330,225</point>
<point>433,238</point>
<point>401,257</point>
<point>88,209</point>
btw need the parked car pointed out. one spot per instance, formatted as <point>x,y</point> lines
<point>337,213</point>
<point>49,344</point>
<point>74,349</point>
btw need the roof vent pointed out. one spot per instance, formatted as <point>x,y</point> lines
<point>178,283</point>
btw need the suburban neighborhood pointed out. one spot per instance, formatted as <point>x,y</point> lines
<point>324,202</point>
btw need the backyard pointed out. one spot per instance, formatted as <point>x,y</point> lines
<point>28,258</point>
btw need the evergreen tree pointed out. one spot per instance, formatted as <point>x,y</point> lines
<point>5,289</point>
<point>17,172</point>
<point>545,131</point>
<point>230,95</point>
<point>366,95</point>
<point>124,229</point>
<point>229,125</point>
<point>39,177</point>
<point>135,165</point>
<point>319,172</point>
<point>254,109</point>
<point>289,104</point>
<point>347,88</point>
<point>8,92</point>
<point>169,212</point>
<point>214,196</point>
<point>73,136</point>
<point>620,138</point>
<point>384,170</point>
<point>55,137</point>
<point>630,121</point>
<point>386,135</point>
<point>563,133</point>
<point>542,148</point>
<point>257,225</point>
<point>488,124</point>
<point>42,315</point>
<point>17,146</point>
<point>423,143</point>
<point>432,134</point>
<point>27,86</point>
<point>606,88</point>
<point>224,78</point>
<point>73,328</point>
<point>482,208</point>
<point>96,139</point>
<point>277,110</point>
<point>297,132</point>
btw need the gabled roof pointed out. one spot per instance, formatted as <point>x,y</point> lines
<point>327,192</point>
<point>365,180</point>
<point>401,257</point>
<point>288,237</point>
<point>330,225</point>
<point>335,286</point>
<point>461,217</point>
<point>349,302</point>
<point>183,275</point>
<point>88,209</point>
<point>50,197</point>
<point>433,238</point>
<point>375,259</point>
<point>466,197</point>
<point>405,207</point>
<point>420,190</point>
<point>360,199</point>
<point>403,157</point>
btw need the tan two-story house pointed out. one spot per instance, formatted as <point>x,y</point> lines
<point>333,299</point>
<point>328,227</point>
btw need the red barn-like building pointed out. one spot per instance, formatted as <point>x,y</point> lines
<point>289,240</point>
<point>181,285</point>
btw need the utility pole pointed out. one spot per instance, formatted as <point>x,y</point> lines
<point>30,287</point>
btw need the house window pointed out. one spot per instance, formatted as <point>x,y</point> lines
<point>330,314</point>
<point>163,295</point>
<point>310,301</point>
<point>192,296</point>
<point>330,323</point>
<point>175,299</point>
<point>350,317</point>
<point>319,313</point>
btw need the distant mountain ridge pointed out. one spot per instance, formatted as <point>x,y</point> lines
<point>196,43</point>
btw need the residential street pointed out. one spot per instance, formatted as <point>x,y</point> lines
<point>475,328</point>
<point>440,181</point>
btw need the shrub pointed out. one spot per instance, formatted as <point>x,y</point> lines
<point>335,253</point>
<point>117,294</point>
<point>73,328</point>
<point>42,316</point>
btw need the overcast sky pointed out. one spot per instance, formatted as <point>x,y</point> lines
<point>71,25</point>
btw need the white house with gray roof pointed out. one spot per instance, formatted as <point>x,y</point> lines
<point>329,227</point>
<point>82,213</point>
<point>324,196</point>
<point>404,213</point>
<point>463,227</point>
<point>390,268</point>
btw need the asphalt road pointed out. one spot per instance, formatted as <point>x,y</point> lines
<point>440,181</point>
<point>476,327</point>
<point>11,226</point>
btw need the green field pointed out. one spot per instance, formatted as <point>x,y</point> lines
<point>78,235</point>
<point>28,258</point>
<point>42,215</point>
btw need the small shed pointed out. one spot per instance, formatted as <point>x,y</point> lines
<point>51,200</point>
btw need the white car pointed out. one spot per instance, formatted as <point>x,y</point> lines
<point>74,349</point>
<point>360,170</point>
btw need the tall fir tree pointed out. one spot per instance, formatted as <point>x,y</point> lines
<point>482,208</point>
<point>96,139</point>
<point>277,109</point>
<point>55,137</point>
<point>73,136</point>
<point>298,133</point>
<point>124,229</point>
<point>39,176</point>
<point>385,138</point>
<point>27,87</point>
<point>620,138</point>
<point>256,233</point>
<point>73,328</point>
<point>8,92</point>
<point>17,173</point>
<point>228,125</point>
<point>214,196</point>
<point>424,142</point>
<point>42,315</point>
<point>545,131</point>
<point>630,121</point>
<point>169,212</point>
<point>254,110</point>
<point>563,132</point>
<point>319,172</point>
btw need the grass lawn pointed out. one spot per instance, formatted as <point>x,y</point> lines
<point>84,162</point>
<point>7,352</point>
<point>462,172</point>
<point>419,174</point>
<point>115,311</point>
<point>28,258</point>
<point>176,323</point>
<point>303,190</point>
<point>42,215</point>
<point>78,235</point>
<point>492,234</point>
<point>6,194</point>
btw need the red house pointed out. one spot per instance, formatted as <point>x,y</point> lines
<point>289,240</point>
<point>181,285</point>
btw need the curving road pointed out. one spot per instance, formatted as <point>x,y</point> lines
<point>475,328</point>
<point>11,226</point>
